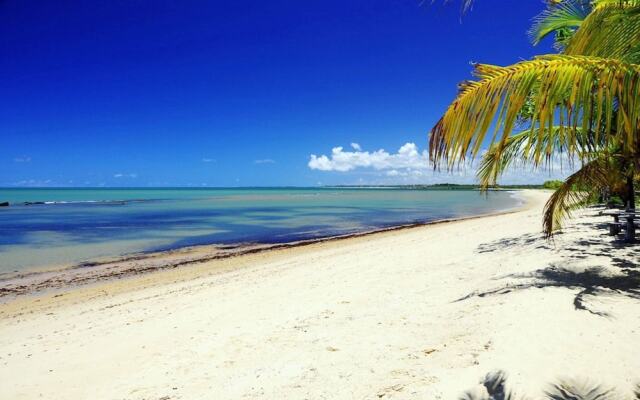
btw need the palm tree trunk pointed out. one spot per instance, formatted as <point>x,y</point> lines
<point>630,234</point>
<point>631,197</point>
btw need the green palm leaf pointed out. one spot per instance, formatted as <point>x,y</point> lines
<point>557,18</point>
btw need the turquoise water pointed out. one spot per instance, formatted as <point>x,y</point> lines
<point>45,227</point>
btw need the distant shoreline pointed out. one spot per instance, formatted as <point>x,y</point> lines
<point>433,186</point>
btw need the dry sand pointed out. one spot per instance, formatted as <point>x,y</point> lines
<point>421,313</point>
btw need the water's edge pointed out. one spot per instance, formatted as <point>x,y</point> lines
<point>38,281</point>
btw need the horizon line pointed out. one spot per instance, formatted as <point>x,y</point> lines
<point>267,187</point>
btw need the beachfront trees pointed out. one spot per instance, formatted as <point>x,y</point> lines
<point>592,86</point>
<point>601,176</point>
<point>606,172</point>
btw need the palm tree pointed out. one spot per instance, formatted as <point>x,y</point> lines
<point>592,86</point>
<point>603,172</point>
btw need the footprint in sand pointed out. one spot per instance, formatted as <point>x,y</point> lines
<point>390,390</point>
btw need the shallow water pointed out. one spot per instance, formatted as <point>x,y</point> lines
<point>76,225</point>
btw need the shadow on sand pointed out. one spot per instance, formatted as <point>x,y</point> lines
<point>493,387</point>
<point>622,275</point>
<point>590,282</point>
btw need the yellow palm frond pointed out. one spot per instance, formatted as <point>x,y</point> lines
<point>599,4</point>
<point>611,30</point>
<point>576,190</point>
<point>516,150</point>
<point>572,92</point>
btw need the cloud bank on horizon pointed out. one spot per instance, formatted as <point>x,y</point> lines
<point>409,165</point>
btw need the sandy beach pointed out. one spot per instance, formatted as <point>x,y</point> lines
<point>420,313</point>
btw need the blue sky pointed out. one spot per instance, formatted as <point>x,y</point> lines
<point>227,93</point>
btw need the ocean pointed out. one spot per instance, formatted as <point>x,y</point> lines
<point>51,227</point>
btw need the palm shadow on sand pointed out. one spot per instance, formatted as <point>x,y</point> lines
<point>493,387</point>
<point>622,279</point>
<point>590,282</point>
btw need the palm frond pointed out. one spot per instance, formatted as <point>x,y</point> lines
<point>574,192</point>
<point>517,149</point>
<point>610,30</point>
<point>597,4</point>
<point>495,161</point>
<point>571,92</point>
<point>558,17</point>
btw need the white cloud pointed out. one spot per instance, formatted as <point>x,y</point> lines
<point>25,159</point>
<point>407,156</point>
<point>409,165</point>
<point>121,175</point>
<point>208,160</point>
<point>264,161</point>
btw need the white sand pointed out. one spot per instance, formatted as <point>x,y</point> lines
<point>363,318</point>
